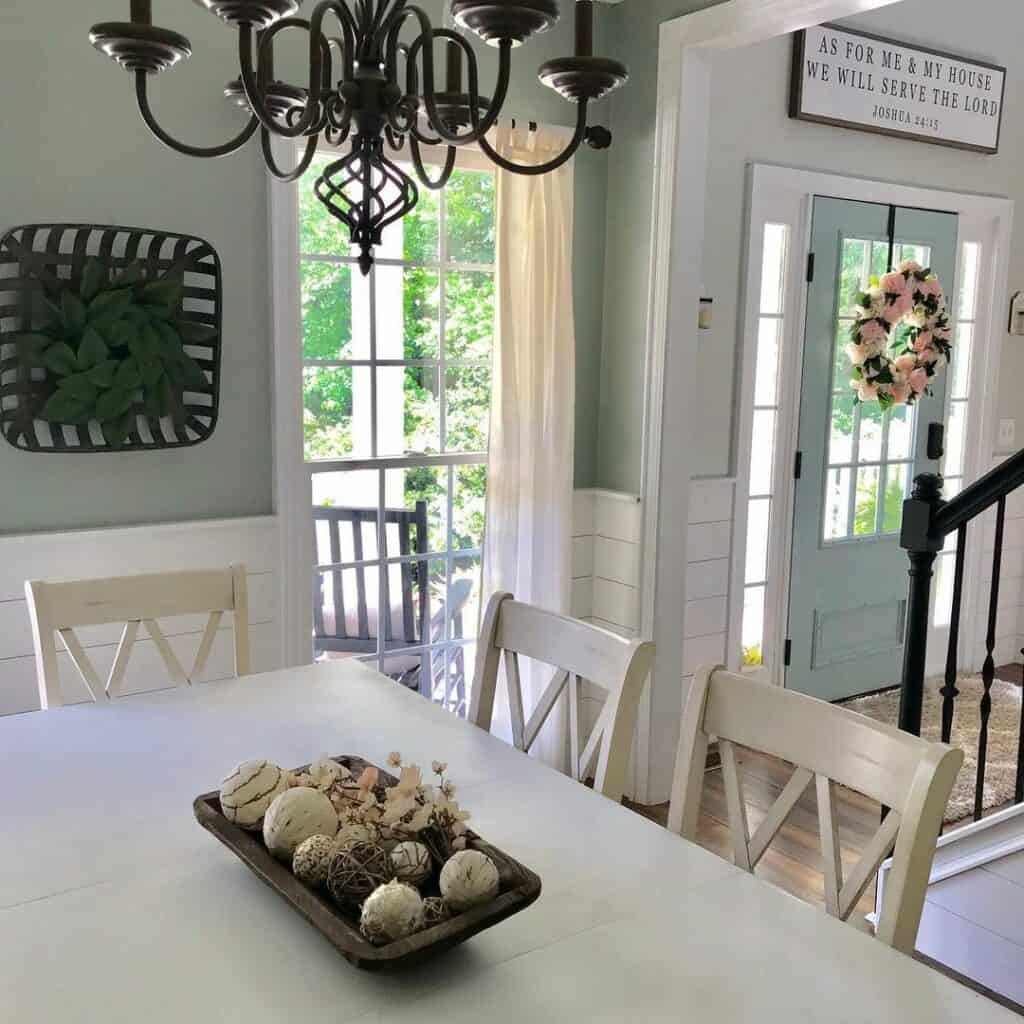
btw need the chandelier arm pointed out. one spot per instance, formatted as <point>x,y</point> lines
<point>551,165</point>
<point>253,95</point>
<point>480,127</point>
<point>335,136</point>
<point>421,173</point>
<point>381,23</point>
<point>425,41</point>
<point>396,140</point>
<point>142,97</point>
<point>272,165</point>
<point>319,63</point>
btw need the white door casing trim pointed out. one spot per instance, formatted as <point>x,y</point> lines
<point>685,48</point>
<point>291,476</point>
<point>783,194</point>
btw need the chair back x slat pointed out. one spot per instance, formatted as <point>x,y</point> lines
<point>580,654</point>
<point>58,609</point>
<point>828,746</point>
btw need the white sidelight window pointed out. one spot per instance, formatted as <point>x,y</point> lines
<point>761,491</point>
<point>965,317</point>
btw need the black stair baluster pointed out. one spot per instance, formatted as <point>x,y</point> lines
<point>949,691</point>
<point>1018,791</point>
<point>988,670</point>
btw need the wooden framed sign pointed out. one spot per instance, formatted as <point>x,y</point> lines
<point>856,80</point>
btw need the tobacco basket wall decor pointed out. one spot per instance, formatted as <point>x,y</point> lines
<point>151,367</point>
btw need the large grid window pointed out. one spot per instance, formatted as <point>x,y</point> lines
<point>761,491</point>
<point>396,400</point>
<point>870,451</point>
<point>965,316</point>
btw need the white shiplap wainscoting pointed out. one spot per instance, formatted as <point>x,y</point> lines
<point>606,569</point>
<point>123,552</point>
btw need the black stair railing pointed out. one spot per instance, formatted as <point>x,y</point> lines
<point>927,521</point>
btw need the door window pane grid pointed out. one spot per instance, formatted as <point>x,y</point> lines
<point>771,323</point>
<point>869,450</point>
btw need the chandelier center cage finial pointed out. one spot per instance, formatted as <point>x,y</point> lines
<point>372,84</point>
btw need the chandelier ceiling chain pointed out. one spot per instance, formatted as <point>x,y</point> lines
<point>382,50</point>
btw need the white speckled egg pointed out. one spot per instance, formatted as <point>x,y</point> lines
<point>295,815</point>
<point>391,912</point>
<point>311,858</point>
<point>411,863</point>
<point>247,792</point>
<point>469,877</point>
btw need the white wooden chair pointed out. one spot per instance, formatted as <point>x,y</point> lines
<point>829,746</point>
<point>578,651</point>
<point>60,608</point>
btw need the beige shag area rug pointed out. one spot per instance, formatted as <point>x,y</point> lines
<point>1003,733</point>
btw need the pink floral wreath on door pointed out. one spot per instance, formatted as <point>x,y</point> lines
<point>892,367</point>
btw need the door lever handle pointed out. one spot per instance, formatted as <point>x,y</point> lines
<point>936,439</point>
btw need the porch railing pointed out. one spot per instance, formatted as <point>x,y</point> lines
<point>927,521</point>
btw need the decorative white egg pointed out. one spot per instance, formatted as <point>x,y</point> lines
<point>312,857</point>
<point>391,912</point>
<point>468,878</point>
<point>411,863</point>
<point>295,815</point>
<point>249,790</point>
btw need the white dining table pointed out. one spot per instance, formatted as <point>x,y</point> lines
<point>115,906</point>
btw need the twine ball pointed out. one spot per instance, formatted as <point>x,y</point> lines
<point>468,878</point>
<point>354,832</point>
<point>247,792</point>
<point>391,912</point>
<point>355,871</point>
<point>312,857</point>
<point>412,863</point>
<point>435,911</point>
<point>295,815</point>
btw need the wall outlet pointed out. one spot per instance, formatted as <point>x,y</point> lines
<point>1007,433</point>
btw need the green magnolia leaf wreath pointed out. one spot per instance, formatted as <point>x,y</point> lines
<point>900,338</point>
<point>113,346</point>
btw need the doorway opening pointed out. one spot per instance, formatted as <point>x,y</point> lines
<point>819,579</point>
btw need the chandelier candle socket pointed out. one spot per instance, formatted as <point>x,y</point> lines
<point>372,85</point>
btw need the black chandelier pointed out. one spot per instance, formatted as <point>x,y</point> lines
<point>369,104</point>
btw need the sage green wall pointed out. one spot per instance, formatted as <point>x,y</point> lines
<point>75,150</point>
<point>634,27</point>
<point>753,125</point>
<point>750,122</point>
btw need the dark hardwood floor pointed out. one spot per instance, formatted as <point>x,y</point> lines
<point>1013,673</point>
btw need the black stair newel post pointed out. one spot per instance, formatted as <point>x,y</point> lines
<point>919,540</point>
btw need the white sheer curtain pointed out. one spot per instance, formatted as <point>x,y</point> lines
<point>528,538</point>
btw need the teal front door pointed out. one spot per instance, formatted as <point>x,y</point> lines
<point>857,463</point>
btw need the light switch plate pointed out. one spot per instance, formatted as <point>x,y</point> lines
<point>1007,433</point>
